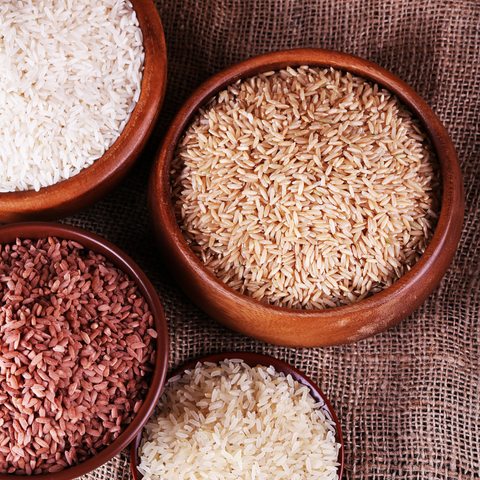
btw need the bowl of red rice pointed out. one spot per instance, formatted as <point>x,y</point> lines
<point>307,198</point>
<point>83,350</point>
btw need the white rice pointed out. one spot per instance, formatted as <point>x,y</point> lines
<point>70,75</point>
<point>230,421</point>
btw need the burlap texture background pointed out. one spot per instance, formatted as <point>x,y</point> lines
<point>408,399</point>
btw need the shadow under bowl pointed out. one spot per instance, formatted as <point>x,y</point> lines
<point>90,241</point>
<point>252,360</point>
<point>81,191</point>
<point>294,327</point>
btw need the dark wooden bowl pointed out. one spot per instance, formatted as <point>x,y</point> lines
<point>254,359</point>
<point>36,230</point>
<point>307,328</point>
<point>91,184</point>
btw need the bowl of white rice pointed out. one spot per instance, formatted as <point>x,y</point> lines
<point>307,198</point>
<point>240,416</point>
<point>81,86</point>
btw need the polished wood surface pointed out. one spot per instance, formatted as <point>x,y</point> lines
<point>254,359</point>
<point>36,230</point>
<point>91,184</point>
<point>307,328</point>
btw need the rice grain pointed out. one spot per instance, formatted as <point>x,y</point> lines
<point>70,76</point>
<point>306,188</point>
<point>234,422</point>
<point>69,384</point>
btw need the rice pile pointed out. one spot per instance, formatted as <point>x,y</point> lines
<point>70,75</point>
<point>77,352</point>
<point>306,188</point>
<point>231,421</point>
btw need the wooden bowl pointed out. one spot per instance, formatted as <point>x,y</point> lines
<point>308,328</point>
<point>91,184</point>
<point>36,230</point>
<point>254,359</point>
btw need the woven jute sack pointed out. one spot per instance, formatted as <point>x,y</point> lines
<point>409,398</point>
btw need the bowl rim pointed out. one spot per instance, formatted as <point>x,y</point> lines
<point>91,241</point>
<point>82,190</point>
<point>253,359</point>
<point>439,252</point>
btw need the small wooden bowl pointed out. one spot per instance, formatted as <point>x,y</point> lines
<point>254,359</point>
<point>94,182</point>
<point>37,230</point>
<point>308,328</point>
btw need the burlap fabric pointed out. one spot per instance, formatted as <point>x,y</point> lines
<point>408,399</point>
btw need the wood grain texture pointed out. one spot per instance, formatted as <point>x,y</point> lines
<point>37,230</point>
<point>307,328</point>
<point>254,359</point>
<point>94,182</point>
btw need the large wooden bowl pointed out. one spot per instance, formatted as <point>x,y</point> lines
<point>252,360</point>
<point>308,328</point>
<point>91,184</point>
<point>37,230</point>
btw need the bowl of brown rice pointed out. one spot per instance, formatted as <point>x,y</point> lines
<point>83,350</point>
<point>307,198</point>
<point>82,84</point>
<point>240,415</point>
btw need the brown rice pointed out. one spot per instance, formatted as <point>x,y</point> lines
<point>306,188</point>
